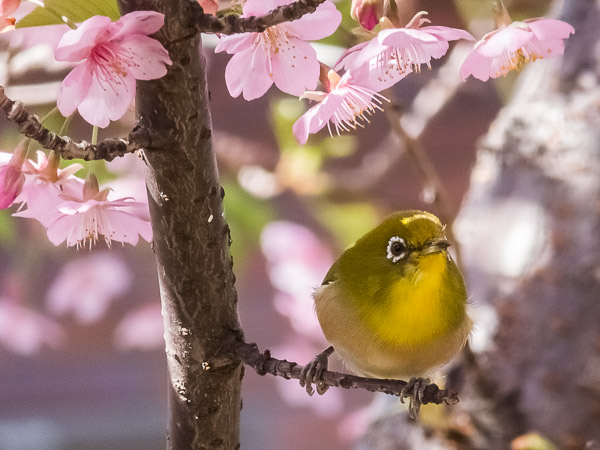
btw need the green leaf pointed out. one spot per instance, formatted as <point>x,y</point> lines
<point>7,228</point>
<point>75,10</point>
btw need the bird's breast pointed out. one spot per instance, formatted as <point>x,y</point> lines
<point>416,323</point>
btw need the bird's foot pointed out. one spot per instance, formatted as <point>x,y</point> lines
<point>414,390</point>
<point>311,373</point>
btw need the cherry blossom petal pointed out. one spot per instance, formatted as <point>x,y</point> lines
<point>316,118</point>
<point>247,73</point>
<point>477,65</point>
<point>447,33</point>
<point>357,55</point>
<point>209,6</point>
<point>235,43</point>
<point>296,69</point>
<point>318,25</point>
<point>404,37</point>
<point>550,29</point>
<point>139,22</point>
<point>148,57</point>
<point>107,101</point>
<point>9,6</point>
<point>75,45</point>
<point>126,227</point>
<point>507,39</point>
<point>74,89</point>
<point>259,7</point>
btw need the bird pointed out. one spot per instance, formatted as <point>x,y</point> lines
<point>393,305</point>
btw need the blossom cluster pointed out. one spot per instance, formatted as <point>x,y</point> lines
<point>111,56</point>
<point>281,56</point>
<point>71,209</point>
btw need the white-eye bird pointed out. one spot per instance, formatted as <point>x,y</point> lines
<point>393,305</point>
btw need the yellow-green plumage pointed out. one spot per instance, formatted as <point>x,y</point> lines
<point>392,318</point>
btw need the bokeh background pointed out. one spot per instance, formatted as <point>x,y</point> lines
<point>81,352</point>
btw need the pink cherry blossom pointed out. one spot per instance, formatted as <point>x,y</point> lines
<point>397,51</point>
<point>514,45</point>
<point>112,56</point>
<point>278,55</point>
<point>87,286</point>
<point>209,6</point>
<point>346,104</point>
<point>82,217</point>
<point>7,7</point>
<point>45,182</point>
<point>12,178</point>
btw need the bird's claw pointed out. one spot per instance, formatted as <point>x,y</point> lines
<point>414,390</point>
<point>312,372</point>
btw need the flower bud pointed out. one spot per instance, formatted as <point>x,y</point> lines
<point>12,177</point>
<point>366,12</point>
<point>369,12</point>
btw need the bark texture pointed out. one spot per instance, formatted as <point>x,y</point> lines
<point>191,242</point>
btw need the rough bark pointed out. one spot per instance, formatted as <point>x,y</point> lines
<point>191,242</point>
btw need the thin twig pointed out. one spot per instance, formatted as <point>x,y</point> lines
<point>263,363</point>
<point>231,24</point>
<point>30,126</point>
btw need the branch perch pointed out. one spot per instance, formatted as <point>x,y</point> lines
<point>263,363</point>
<point>231,24</point>
<point>109,149</point>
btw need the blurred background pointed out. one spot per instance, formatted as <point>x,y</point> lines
<point>81,352</point>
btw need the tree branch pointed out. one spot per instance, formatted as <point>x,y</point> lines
<point>109,149</point>
<point>231,24</point>
<point>263,363</point>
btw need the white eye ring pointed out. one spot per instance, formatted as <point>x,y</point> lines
<point>396,252</point>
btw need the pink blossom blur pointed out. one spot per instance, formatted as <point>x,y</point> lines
<point>395,52</point>
<point>512,46</point>
<point>24,331</point>
<point>86,286</point>
<point>302,351</point>
<point>112,57</point>
<point>280,54</point>
<point>141,329</point>
<point>297,263</point>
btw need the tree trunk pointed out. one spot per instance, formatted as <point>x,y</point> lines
<point>191,242</point>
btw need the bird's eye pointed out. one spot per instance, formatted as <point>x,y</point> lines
<point>396,249</point>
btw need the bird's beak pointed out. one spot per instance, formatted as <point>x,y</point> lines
<point>435,246</point>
